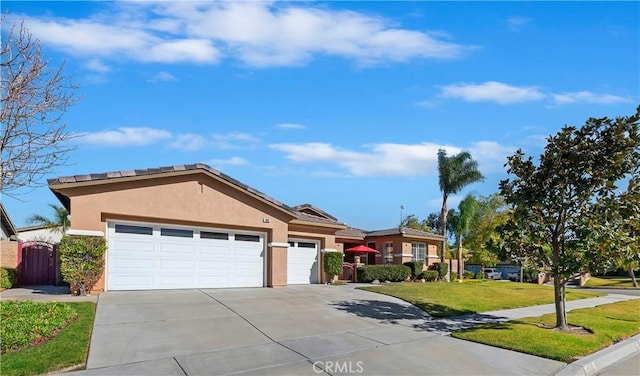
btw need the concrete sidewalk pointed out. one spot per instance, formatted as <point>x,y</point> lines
<point>45,293</point>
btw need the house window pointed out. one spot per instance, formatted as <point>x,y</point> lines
<point>387,252</point>
<point>419,251</point>
<point>306,245</point>
<point>130,229</point>
<point>214,235</point>
<point>176,232</point>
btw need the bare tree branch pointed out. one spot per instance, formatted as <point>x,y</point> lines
<point>35,96</point>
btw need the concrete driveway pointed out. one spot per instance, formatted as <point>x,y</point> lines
<point>297,330</point>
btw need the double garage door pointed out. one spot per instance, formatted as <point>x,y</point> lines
<point>158,256</point>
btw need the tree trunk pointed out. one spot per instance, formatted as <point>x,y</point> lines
<point>443,227</point>
<point>633,276</point>
<point>561,313</point>
<point>443,230</point>
<point>460,266</point>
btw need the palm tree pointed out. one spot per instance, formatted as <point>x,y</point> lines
<point>455,172</point>
<point>58,223</point>
<point>462,219</point>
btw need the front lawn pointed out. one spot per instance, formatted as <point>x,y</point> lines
<point>453,299</point>
<point>605,324</point>
<point>610,282</point>
<point>68,348</point>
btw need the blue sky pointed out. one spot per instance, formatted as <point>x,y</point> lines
<point>339,104</point>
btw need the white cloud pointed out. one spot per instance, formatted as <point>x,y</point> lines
<point>516,23</point>
<point>290,126</point>
<point>258,34</point>
<point>491,156</point>
<point>389,159</point>
<point>492,91</point>
<point>125,136</point>
<point>188,142</point>
<point>589,97</point>
<point>233,140</point>
<point>97,66</point>
<point>162,77</point>
<point>116,39</point>
<point>233,161</point>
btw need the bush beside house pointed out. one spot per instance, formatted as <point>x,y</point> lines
<point>82,261</point>
<point>8,278</point>
<point>391,273</point>
<point>333,264</point>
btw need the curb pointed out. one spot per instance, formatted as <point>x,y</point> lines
<point>590,365</point>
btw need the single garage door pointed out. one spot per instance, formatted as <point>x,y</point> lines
<point>156,256</point>
<point>302,262</point>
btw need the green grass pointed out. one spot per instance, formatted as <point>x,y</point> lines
<point>610,282</point>
<point>26,323</point>
<point>607,324</point>
<point>67,349</point>
<point>453,299</point>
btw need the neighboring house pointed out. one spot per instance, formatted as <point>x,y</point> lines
<point>39,233</point>
<point>9,246</point>
<point>395,246</point>
<point>191,226</point>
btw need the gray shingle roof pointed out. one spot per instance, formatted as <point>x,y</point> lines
<point>351,232</point>
<point>6,221</point>
<point>405,231</point>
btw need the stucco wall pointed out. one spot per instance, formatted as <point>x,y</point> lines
<point>9,254</point>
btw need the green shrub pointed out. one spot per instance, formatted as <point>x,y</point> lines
<point>454,276</point>
<point>392,273</point>
<point>441,267</point>
<point>82,261</point>
<point>468,275</point>
<point>429,275</point>
<point>479,275</point>
<point>8,278</point>
<point>333,263</point>
<point>27,323</point>
<point>416,268</point>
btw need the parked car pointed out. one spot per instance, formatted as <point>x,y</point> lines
<point>514,276</point>
<point>492,273</point>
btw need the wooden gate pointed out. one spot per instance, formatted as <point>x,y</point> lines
<point>38,265</point>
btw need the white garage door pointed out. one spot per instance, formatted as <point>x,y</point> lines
<point>302,262</point>
<point>153,256</point>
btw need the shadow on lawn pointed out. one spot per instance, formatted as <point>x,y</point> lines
<point>412,316</point>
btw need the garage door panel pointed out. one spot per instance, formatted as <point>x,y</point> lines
<point>215,253</point>
<point>133,264</point>
<point>177,281</point>
<point>134,246</point>
<point>148,261</point>
<point>176,265</point>
<point>132,282</point>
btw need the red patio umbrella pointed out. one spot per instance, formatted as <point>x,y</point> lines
<point>361,249</point>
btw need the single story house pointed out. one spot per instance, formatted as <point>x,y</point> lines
<point>9,246</point>
<point>191,226</point>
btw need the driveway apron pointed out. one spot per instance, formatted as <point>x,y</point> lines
<point>313,329</point>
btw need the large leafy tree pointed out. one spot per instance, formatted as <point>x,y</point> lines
<point>460,225</point>
<point>34,96</point>
<point>455,173</point>
<point>59,222</point>
<point>566,207</point>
